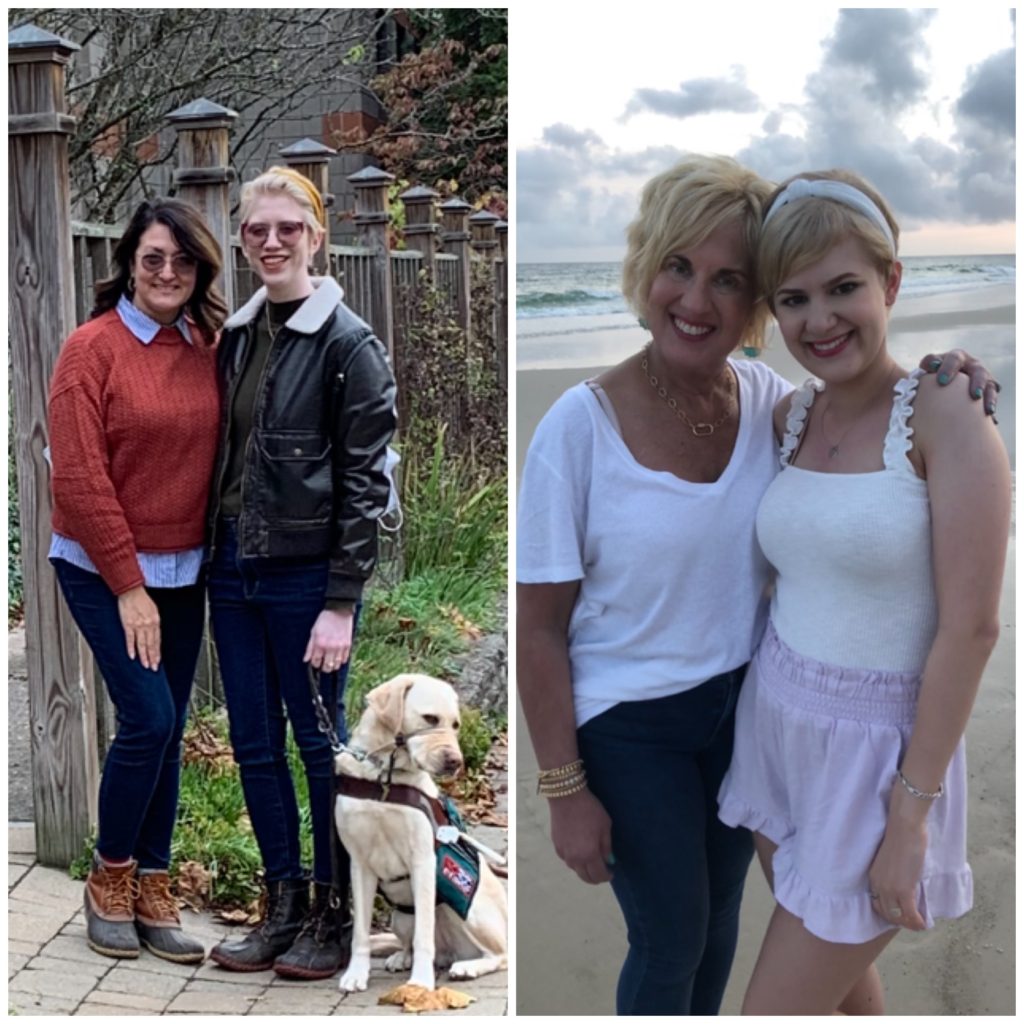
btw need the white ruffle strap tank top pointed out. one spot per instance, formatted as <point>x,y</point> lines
<point>852,551</point>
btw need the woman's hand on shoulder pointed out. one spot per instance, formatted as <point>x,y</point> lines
<point>947,366</point>
<point>330,640</point>
<point>581,832</point>
<point>140,619</point>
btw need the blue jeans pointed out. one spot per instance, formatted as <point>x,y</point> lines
<point>138,799</point>
<point>262,612</point>
<point>656,766</point>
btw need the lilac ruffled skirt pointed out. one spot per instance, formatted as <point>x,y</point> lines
<point>816,752</point>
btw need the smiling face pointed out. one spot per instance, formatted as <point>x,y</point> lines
<point>162,294</point>
<point>279,245</point>
<point>701,301</point>
<point>834,314</point>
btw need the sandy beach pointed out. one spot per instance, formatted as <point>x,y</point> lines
<point>570,936</point>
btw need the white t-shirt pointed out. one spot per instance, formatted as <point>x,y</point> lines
<point>673,582</point>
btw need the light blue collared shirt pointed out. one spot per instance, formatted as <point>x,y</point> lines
<point>159,568</point>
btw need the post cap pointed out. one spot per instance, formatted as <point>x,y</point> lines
<point>455,205</point>
<point>32,37</point>
<point>202,109</point>
<point>484,218</point>
<point>307,149</point>
<point>419,193</point>
<point>371,176</point>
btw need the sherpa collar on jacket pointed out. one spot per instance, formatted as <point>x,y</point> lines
<point>307,319</point>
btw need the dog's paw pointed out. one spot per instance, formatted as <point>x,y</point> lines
<point>400,961</point>
<point>355,978</point>
<point>464,970</point>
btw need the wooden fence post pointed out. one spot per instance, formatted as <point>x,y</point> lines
<point>312,159</point>
<point>203,176</point>
<point>455,240</point>
<point>485,239</point>
<point>421,228</point>
<point>62,710</point>
<point>371,220</point>
<point>501,304</point>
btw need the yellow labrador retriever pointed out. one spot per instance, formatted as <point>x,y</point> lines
<point>407,735</point>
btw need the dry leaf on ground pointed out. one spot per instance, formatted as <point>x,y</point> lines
<point>192,884</point>
<point>416,999</point>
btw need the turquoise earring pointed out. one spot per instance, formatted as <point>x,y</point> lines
<point>750,352</point>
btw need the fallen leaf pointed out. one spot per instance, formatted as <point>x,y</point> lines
<point>416,999</point>
<point>192,884</point>
<point>234,916</point>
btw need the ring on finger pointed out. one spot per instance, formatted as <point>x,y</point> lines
<point>895,911</point>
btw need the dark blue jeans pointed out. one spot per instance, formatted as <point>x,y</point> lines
<point>138,798</point>
<point>656,766</point>
<point>262,612</point>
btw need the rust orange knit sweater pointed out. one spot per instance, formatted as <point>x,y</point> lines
<point>133,436</point>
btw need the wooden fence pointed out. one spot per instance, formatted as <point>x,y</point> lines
<point>53,265</point>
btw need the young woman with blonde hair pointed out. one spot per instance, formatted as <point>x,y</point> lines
<point>887,527</point>
<point>298,489</point>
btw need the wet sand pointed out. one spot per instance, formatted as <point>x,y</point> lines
<point>570,939</point>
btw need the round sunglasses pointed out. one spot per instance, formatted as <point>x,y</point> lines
<point>288,232</point>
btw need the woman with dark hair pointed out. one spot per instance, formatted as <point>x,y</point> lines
<point>133,410</point>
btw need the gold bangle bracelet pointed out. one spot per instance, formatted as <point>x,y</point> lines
<point>578,787</point>
<point>562,771</point>
<point>556,787</point>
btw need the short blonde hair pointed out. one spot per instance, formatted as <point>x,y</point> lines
<point>802,232</point>
<point>682,207</point>
<point>284,181</point>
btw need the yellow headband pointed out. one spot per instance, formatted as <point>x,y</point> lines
<point>316,200</point>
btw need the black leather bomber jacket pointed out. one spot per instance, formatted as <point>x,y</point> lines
<point>313,485</point>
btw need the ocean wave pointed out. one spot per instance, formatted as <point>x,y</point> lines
<point>579,329</point>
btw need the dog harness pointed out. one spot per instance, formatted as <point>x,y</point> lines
<point>458,863</point>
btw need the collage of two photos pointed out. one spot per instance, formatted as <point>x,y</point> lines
<point>257,511</point>
<point>574,586</point>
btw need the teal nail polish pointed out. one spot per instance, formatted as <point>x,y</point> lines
<point>943,378</point>
<point>611,860</point>
<point>976,392</point>
<point>934,364</point>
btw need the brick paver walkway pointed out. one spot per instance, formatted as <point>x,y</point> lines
<point>51,970</point>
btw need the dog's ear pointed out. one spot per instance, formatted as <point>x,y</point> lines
<point>387,702</point>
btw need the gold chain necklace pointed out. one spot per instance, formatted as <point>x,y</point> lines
<point>697,429</point>
<point>833,449</point>
<point>270,327</point>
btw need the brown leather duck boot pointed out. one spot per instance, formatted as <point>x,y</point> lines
<point>110,893</point>
<point>287,904</point>
<point>324,945</point>
<point>158,923</point>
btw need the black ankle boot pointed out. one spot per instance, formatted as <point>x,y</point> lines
<point>324,944</point>
<point>287,906</point>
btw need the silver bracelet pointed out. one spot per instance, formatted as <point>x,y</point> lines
<point>920,794</point>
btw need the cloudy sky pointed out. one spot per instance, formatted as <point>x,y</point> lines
<point>921,102</point>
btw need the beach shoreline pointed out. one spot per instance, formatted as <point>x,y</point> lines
<point>571,939</point>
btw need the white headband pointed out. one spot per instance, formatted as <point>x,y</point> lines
<point>839,191</point>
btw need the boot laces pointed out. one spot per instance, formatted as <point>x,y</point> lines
<point>158,892</point>
<point>318,922</point>
<point>120,890</point>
